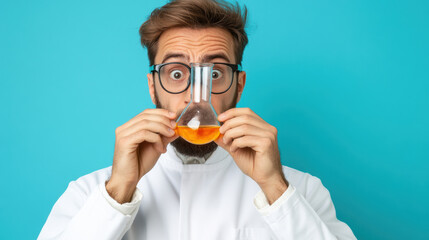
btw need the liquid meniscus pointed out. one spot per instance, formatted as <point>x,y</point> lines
<point>202,135</point>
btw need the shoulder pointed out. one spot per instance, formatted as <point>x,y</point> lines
<point>304,182</point>
<point>87,183</point>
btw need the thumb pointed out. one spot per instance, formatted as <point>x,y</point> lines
<point>220,143</point>
<point>167,140</point>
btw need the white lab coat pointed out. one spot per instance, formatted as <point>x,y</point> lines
<point>214,200</point>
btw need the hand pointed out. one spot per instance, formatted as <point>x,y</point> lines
<point>252,143</point>
<point>139,143</point>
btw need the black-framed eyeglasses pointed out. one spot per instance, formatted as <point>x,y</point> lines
<point>175,77</point>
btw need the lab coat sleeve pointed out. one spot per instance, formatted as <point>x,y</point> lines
<point>294,216</point>
<point>125,208</point>
<point>84,212</point>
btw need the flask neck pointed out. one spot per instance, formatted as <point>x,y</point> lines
<point>201,84</point>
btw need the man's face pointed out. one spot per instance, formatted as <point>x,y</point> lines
<point>195,45</point>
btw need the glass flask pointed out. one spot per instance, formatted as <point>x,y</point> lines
<point>198,122</point>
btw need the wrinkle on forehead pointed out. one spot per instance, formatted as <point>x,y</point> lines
<point>195,43</point>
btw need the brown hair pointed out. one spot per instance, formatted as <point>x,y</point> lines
<point>195,14</point>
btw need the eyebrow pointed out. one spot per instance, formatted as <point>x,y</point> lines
<point>206,58</point>
<point>174,55</point>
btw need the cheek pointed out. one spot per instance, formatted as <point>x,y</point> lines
<point>217,104</point>
<point>172,102</point>
<point>221,102</point>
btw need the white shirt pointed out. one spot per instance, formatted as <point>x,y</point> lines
<point>214,200</point>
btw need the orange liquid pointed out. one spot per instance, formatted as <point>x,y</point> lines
<point>201,135</point>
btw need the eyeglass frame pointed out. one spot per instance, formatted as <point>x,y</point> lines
<point>155,69</point>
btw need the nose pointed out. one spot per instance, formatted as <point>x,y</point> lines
<point>186,99</point>
<point>187,93</point>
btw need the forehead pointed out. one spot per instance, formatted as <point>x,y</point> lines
<point>194,45</point>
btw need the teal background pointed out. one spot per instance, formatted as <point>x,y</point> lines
<point>345,82</point>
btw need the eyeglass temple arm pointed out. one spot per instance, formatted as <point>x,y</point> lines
<point>152,68</point>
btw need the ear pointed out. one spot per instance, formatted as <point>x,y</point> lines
<point>151,85</point>
<point>240,85</point>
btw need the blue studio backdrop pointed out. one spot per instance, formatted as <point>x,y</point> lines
<point>345,82</point>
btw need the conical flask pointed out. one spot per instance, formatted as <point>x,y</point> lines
<point>198,122</point>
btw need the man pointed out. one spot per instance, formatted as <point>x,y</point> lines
<point>162,187</point>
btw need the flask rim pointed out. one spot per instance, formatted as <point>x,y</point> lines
<point>194,64</point>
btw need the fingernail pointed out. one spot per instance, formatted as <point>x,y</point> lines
<point>171,131</point>
<point>172,114</point>
<point>220,117</point>
<point>173,124</point>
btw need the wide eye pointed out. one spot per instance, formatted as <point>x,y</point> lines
<point>216,74</point>
<point>176,74</point>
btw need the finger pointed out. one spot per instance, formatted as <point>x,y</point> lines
<point>167,140</point>
<point>234,112</point>
<point>219,141</point>
<point>248,141</point>
<point>157,111</point>
<point>146,136</point>
<point>244,130</point>
<point>157,118</point>
<point>155,127</point>
<point>161,111</point>
<point>243,119</point>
